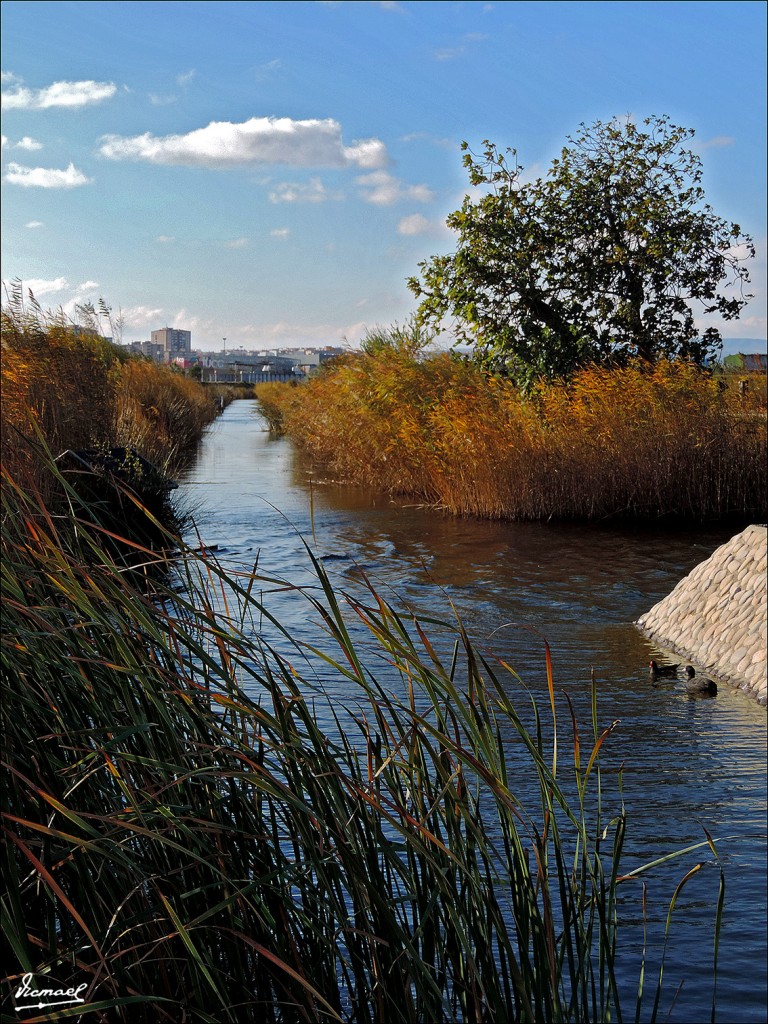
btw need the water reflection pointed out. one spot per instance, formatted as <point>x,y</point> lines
<point>688,764</point>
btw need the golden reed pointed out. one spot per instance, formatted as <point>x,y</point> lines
<point>643,441</point>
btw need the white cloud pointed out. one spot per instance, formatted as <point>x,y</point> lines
<point>280,232</point>
<point>294,333</point>
<point>45,177</point>
<point>752,323</point>
<point>34,224</point>
<point>367,153</point>
<point>717,142</point>
<point>751,327</point>
<point>260,140</point>
<point>747,327</point>
<point>263,71</point>
<point>450,53</point>
<point>85,292</point>
<point>164,239</point>
<point>141,316</point>
<point>415,224</point>
<point>313,191</point>
<point>184,321</point>
<point>5,141</point>
<point>206,331</point>
<point>382,189</point>
<point>740,252</point>
<point>237,243</point>
<point>60,94</point>
<point>39,286</point>
<point>60,292</point>
<point>434,140</point>
<point>28,144</point>
<point>354,333</point>
<point>167,99</point>
<point>529,174</point>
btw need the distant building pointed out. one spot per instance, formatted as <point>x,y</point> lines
<point>183,363</point>
<point>750,361</point>
<point>175,343</point>
<point>310,359</point>
<point>247,367</point>
<point>149,349</point>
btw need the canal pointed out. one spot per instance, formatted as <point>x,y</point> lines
<point>689,764</point>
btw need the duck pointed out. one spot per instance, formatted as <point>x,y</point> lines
<point>698,684</point>
<point>659,671</point>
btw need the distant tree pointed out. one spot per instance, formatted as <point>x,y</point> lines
<point>607,257</point>
<point>408,339</point>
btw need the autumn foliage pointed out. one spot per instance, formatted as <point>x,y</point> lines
<point>69,389</point>
<point>644,440</point>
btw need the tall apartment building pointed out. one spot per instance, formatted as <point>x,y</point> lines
<point>175,343</point>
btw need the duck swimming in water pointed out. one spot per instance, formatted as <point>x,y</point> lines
<point>662,671</point>
<point>699,684</point>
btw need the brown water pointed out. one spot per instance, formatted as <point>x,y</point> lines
<point>689,764</point>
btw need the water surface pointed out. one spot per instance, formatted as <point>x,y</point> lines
<point>688,764</point>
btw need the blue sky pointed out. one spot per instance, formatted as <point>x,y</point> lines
<point>271,173</point>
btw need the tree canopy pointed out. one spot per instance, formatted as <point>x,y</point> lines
<point>609,256</point>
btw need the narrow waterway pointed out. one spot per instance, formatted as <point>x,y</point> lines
<point>689,764</point>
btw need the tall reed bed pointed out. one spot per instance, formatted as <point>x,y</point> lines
<point>76,390</point>
<point>640,441</point>
<point>185,840</point>
<point>162,412</point>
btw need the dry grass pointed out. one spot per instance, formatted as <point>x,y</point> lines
<point>73,390</point>
<point>160,411</point>
<point>641,441</point>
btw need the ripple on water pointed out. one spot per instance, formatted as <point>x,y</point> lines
<point>688,764</point>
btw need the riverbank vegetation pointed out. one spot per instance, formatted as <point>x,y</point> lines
<point>73,389</point>
<point>184,839</point>
<point>641,440</point>
<point>583,393</point>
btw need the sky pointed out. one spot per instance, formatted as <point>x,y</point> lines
<point>272,173</point>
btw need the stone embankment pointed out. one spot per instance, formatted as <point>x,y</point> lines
<point>717,616</point>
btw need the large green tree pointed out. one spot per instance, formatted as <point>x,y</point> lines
<point>609,256</point>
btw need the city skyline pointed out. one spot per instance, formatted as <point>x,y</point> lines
<point>271,173</point>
